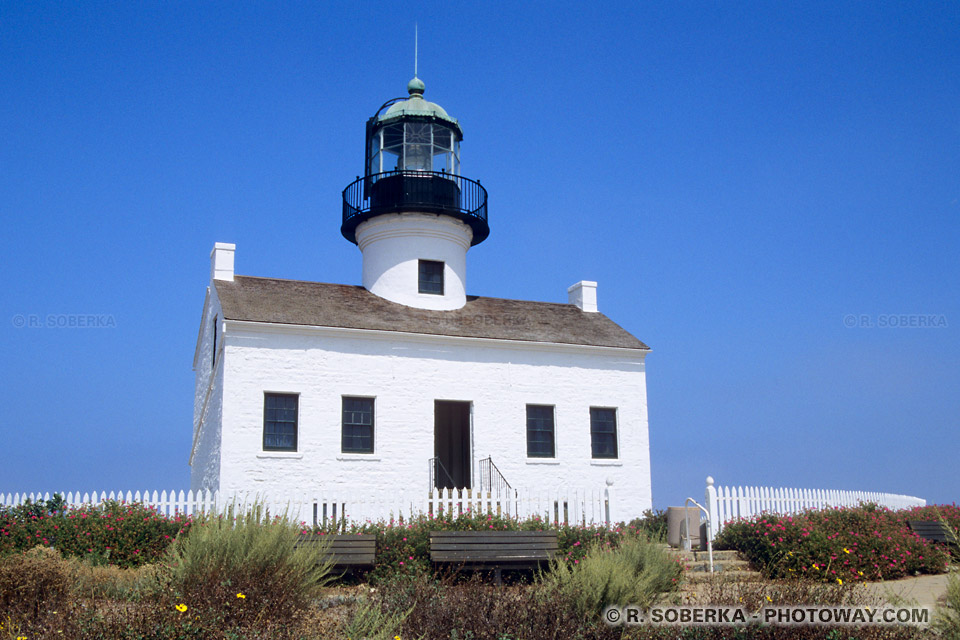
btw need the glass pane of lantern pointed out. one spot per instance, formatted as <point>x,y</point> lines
<point>392,136</point>
<point>442,139</point>
<point>374,164</point>
<point>441,161</point>
<point>391,160</point>
<point>416,157</point>
<point>418,133</point>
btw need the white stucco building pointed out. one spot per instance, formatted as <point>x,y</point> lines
<point>406,381</point>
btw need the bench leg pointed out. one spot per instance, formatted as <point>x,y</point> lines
<point>496,575</point>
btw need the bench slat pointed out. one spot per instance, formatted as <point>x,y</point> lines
<point>499,548</point>
<point>345,550</point>
<point>443,556</point>
<point>932,530</point>
<point>492,534</point>
<point>492,541</point>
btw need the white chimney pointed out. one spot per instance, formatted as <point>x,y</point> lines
<point>221,261</point>
<point>584,295</point>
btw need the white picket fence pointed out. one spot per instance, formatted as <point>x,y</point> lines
<point>732,503</point>
<point>564,505</point>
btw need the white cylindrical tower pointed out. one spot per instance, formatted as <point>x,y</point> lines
<point>412,214</point>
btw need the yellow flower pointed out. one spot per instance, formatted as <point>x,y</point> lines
<point>859,573</point>
<point>181,607</point>
<point>845,550</point>
<point>839,581</point>
<point>769,599</point>
<point>814,565</point>
<point>241,596</point>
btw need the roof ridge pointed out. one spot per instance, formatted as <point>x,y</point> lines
<point>357,286</point>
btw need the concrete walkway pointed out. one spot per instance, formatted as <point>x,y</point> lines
<point>926,591</point>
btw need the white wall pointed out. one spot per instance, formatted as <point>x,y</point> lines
<point>392,247</point>
<point>207,401</point>
<point>405,374</point>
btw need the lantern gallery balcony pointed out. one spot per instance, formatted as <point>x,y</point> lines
<point>415,191</point>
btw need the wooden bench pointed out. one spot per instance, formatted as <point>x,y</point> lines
<point>348,551</point>
<point>933,530</point>
<point>496,550</point>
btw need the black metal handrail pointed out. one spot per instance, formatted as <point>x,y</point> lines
<point>492,481</point>
<point>405,190</point>
<point>439,473</point>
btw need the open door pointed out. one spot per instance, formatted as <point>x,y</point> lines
<point>451,444</point>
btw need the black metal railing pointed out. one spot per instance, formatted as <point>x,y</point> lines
<point>440,478</point>
<point>427,191</point>
<point>492,481</point>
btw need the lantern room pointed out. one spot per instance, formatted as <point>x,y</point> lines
<point>412,164</point>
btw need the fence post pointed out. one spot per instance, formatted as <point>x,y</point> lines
<point>610,507</point>
<point>710,495</point>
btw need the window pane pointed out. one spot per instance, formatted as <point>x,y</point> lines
<point>280,422</point>
<point>442,139</point>
<point>392,136</point>
<point>391,159</point>
<point>540,431</point>
<point>417,157</point>
<point>603,433</point>
<point>431,277</point>
<point>357,429</point>
<point>418,133</point>
<point>441,162</point>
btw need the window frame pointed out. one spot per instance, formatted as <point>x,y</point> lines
<point>420,277</point>
<point>552,430</point>
<point>295,421</point>
<point>344,424</point>
<point>594,432</point>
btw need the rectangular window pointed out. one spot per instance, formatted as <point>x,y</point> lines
<point>540,431</point>
<point>603,432</point>
<point>280,421</point>
<point>431,277</point>
<point>357,436</point>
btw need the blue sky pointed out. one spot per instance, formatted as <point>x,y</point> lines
<point>742,179</point>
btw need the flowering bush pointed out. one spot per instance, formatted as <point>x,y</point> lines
<point>834,545</point>
<point>404,546</point>
<point>123,534</point>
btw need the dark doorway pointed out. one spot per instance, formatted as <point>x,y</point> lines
<point>451,444</point>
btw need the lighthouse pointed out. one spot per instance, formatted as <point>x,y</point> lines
<point>413,214</point>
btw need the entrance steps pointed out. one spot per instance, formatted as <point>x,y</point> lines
<point>696,564</point>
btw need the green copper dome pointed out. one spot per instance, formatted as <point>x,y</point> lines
<point>416,106</point>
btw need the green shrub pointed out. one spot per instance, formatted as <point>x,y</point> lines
<point>634,573</point>
<point>843,544</point>
<point>652,524</point>
<point>244,567</point>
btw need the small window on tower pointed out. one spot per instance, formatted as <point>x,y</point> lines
<point>431,277</point>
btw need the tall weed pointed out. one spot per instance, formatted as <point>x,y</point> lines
<point>634,573</point>
<point>947,621</point>
<point>244,567</point>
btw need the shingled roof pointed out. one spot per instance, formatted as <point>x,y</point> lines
<point>337,305</point>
